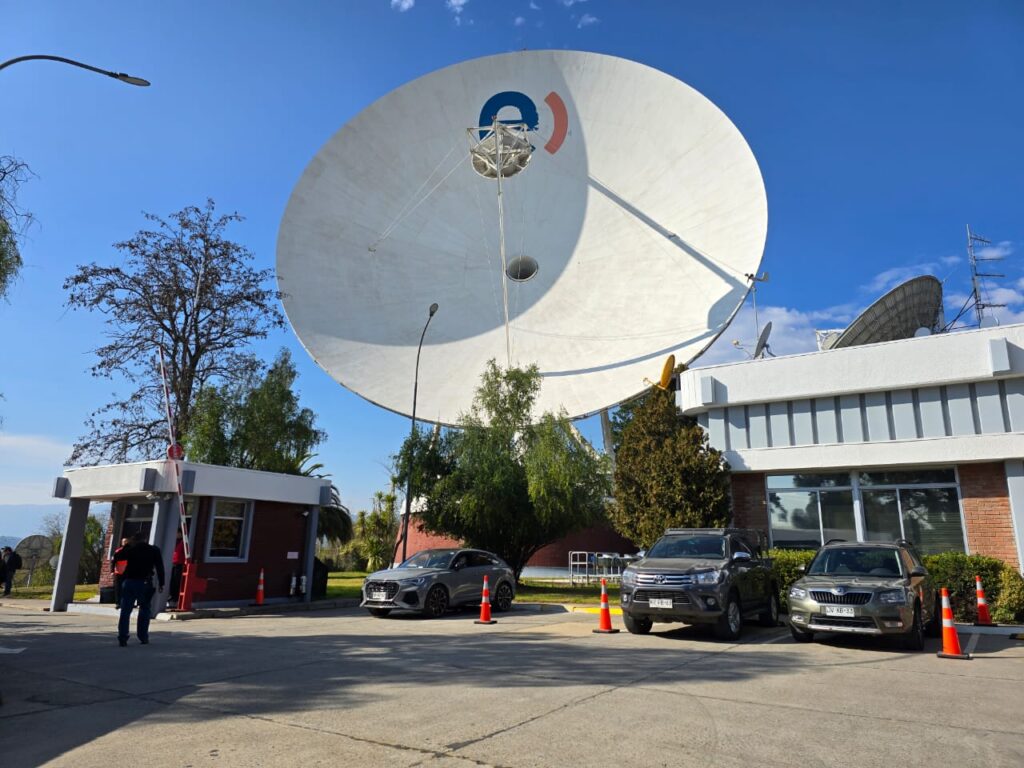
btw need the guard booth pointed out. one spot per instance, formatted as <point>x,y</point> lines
<point>238,522</point>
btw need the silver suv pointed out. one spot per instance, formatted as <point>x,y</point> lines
<point>714,576</point>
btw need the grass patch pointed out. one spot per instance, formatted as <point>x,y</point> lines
<point>341,584</point>
<point>83,592</point>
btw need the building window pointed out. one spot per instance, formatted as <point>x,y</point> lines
<point>230,524</point>
<point>922,506</point>
<point>138,518</point>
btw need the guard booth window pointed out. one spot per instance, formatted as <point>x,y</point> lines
<point>138,518</point>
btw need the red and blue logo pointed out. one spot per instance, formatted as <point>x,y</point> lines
<point>528,114</point>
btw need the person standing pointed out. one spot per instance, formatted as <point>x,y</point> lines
<point>12,562</point>
<point>117,564</point>
<point>141,559</point>
<point>177,565</point>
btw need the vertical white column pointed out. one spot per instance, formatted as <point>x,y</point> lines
<point>1015,484</point>
<point>70,554</point>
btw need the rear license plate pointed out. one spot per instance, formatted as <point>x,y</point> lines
<point>660,602</point>
<point>378,595</point>
<point>839,610</point>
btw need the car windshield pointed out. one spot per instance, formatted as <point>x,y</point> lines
<point>856,561</point>
<point>698,547</point>
<point>430,558</point>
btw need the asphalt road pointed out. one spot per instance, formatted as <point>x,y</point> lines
<point>338,688</point>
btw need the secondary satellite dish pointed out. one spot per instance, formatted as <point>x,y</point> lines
<point>35,551</point>
<point>576,211</point>
<point>666,372</point>
<point>899,314</point>
<point>762,341</point>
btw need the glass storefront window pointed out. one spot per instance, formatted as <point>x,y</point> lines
<point>881,516</point>
<point>837,515</point>
<point>803,480</point>
<point>931,519</point>
<point>794,519</point>
<point>915,477</point>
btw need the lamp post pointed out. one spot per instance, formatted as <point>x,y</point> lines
<point>412,434</point>
<point>130,79</point>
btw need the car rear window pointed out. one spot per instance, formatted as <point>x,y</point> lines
<point>856,561</point>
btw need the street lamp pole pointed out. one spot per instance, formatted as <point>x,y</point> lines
<point>130,79</point>
<point>412,435</point>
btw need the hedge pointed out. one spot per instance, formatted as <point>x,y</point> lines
<point>1004,586</point>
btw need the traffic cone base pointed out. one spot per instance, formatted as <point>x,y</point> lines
<point>984,619</point>
<point>485,605</point>
<point>605,623</point>
<point>950,640</point>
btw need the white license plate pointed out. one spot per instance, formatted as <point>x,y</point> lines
<point>838,610</point>
<point>660,602</point>
<point>378,595</point>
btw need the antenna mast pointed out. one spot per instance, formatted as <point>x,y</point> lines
<point>979,305</point>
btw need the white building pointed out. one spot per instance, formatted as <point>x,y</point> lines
<point>921,438</point>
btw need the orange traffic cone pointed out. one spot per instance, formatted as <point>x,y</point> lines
<point>259,589</point>
<point>950,641</point>
<point>605,625</point>
<point>984,619</point>
<point>485,606</point>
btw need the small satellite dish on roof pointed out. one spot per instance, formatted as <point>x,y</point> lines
<point>761,348</point>
<point>899,314</point>
<point>35,551</point>
<point>555,202</point>
<point>666,372</point>
<point>922,331</point>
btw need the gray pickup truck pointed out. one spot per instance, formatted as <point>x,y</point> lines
<point>713,576</point>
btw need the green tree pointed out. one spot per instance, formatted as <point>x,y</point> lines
<point>260,424</point>
<point>92,547</point>
<point>666,474</point>
<point>375,531</point>
<point>185,287</point>
<point>501,482</point>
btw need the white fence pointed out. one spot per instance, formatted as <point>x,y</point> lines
<point>587,567</point>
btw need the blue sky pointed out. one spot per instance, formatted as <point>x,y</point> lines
<point>881,129</point>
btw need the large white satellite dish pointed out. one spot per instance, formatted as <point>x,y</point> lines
<point>630,211</point>
<point>899,314</point>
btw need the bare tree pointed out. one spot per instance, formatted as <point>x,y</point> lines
<point>181,286</point>
<point>13,220</point>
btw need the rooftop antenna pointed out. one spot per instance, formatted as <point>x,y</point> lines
<point>976,287</point>
<point>754,280</point>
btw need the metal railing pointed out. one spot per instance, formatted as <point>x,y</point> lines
<point>588,567</point>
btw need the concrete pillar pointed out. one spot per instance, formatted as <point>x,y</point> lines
<point>70,554</point>
<point>166,520</point>
<point>312,523</point>
<point>1015,485</point>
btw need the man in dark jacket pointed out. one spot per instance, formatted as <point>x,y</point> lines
<point>12,562</point>
<point>141,559</point>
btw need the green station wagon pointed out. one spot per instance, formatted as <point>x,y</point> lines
<point>865,589</point>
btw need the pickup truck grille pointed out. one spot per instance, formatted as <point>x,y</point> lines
<point>664,579</point>
<point>390,588</point>
<point>850,598</point>
<point>644,595</point>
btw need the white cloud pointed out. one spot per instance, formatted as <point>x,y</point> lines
<point>586,20</point>
<point>998,250</point>
<point>519,21</point>
<point>571,3</point>
<point>456,6</point>
<point>890,278</point>
<point>949,261</point>
<point>402,5</point>
<point>28,465</point>
<point>534,6</point>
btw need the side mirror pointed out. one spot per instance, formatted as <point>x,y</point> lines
<point>641,554</point>
<point>741,556</point>
<point>918,572</point>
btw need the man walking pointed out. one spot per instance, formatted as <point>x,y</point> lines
<point>141,559</point>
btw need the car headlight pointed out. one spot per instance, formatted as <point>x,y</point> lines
<point>892,597</point>
<point>418,581</point>
<point>628,578</point>
<point>798,593</point>
<point>709,577</point>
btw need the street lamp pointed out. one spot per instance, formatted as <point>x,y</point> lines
<point>130,79</point>
<point>412,435</point>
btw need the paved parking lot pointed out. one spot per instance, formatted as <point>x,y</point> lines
<point>338,688</point>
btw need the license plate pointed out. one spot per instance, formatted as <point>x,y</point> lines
<point>378,595</point>
<point>660,602</point>
<point>838,610</point>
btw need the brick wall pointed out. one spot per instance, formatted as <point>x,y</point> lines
<point>749,508</point>
<point>986,501</point>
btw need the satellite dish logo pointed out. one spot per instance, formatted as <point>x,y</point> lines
<point>528,114</point>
